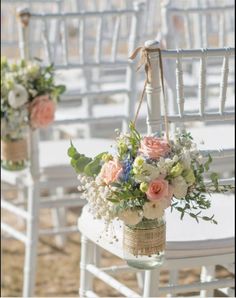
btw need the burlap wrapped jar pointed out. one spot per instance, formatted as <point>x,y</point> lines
<point>144,243</point>
<point>14,154</point>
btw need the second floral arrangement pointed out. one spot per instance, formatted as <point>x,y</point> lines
<point>29,96</point>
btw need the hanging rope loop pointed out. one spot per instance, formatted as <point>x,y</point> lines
<point>145,61</point>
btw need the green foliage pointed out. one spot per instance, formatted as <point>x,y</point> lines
<point>78,161</point>
<point>129,193</point>
<point>32,75</point>
<point>208,162</point>
<point>196,200</point>
<point>94,166</point>
<point>127,196</point>
<point>83,164</point>
<point>134,139</point>
<point>128,145</point>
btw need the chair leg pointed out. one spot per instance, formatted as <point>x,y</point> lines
<point>21,198</point>
<point>97,255</point>
<point>32,241</point>
<point>59,219</point>
<point>207,274</point>
<point>173,280</point>
<point>151,283</point>
<point>87,257</point>
<point>140,279</point>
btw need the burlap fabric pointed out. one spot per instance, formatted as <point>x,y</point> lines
<point>144,242</point>
<point>14,150</point>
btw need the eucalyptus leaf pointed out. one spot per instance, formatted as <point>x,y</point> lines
<point>94,166</point>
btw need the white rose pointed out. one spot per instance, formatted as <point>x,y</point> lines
<point>152,210</point>
<point>130,217</point>
<point>148,173</point>
<point>151,172</point>
<point>180,187</point>
<point>17,96</point>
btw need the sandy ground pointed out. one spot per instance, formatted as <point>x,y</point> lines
<point>58,269</point>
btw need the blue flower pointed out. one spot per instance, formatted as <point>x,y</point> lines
<point>127,166</point>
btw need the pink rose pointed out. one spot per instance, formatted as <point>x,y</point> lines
<point>159,189</point>
<point>42,111</point>
<point>154,147</point>
<point>111,171</point>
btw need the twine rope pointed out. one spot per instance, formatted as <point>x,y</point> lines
<point>14,150</point>
<point>146,242</point>
<point>145,60</point>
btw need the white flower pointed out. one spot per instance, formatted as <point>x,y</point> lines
<point>186,159</point>
<point>180,187</point>
<point>200,159</point>
<point>18,96</point>
<point>175,158</point>
<point>152,210</point>
<point>130,217</point>
<point>97,194</point>
<point>33,92</point>
<point>147,173</point>
<point>151,172</point>
<point>32,70</point>
<point>139,161</point>
<point>9,80</point>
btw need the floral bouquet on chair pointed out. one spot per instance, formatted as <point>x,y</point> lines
<point>28,98</point>
<point>145,176</point>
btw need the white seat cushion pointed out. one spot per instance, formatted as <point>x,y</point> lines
<point>53,153</point>
<point>185,238</point>
<point>54,161</point>
<point>205,136</point>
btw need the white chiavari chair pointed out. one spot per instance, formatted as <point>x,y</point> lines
<point>189,245</point>
<point>197,24</point>
<point>9,44</point>
<point>49,164</point>
<point>91,50</point>
<point>9,36</point>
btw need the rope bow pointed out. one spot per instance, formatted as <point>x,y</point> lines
<point>145,60</point>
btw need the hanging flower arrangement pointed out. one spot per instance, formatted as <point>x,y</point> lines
<point>143,177</point>
<point>28,98</point>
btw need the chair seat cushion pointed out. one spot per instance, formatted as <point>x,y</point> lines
<point>185,238</point>
<point>205,136</point>
<point>53,155</point>
<point>54,161</point>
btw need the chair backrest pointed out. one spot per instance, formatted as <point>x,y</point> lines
<point>88,47</point>
<point>204,24</point>
<point>201,109</point>
<point>196,24</point>
<point>9,36</point>
<point>104,53</point>
<point>89,37</point>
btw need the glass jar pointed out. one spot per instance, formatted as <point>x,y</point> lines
<point>14,154</point>
<point>144,243</point>
<point>14,138</point>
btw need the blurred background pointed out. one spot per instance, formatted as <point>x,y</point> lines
<point>89,49</point>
